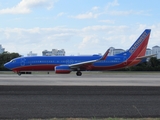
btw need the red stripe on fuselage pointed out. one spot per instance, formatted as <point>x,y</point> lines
<point>35,68</point>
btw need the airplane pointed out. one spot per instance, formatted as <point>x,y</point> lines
<point>66,64</point>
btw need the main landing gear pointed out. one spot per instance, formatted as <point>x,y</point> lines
<point>79,73</point>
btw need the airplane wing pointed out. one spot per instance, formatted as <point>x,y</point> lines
<point>76,65</point>
<point>143,57</point>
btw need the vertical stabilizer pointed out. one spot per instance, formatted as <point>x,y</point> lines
<point>138,49</point>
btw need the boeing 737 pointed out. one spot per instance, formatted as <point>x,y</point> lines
<point>66,64</point>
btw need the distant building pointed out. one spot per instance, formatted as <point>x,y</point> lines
<point>148,51</point>
<point>46,53</point>
<point>1,49</point>
<point>54,52</point>
<point>114,51</point>
<point>156,50</point>
<point>31,54</point>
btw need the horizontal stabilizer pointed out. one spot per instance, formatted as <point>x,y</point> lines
<point>143,57</point>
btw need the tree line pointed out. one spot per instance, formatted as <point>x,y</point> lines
<point>152,65</point>
<point>6,57</point>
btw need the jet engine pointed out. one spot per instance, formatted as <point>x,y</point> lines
<point>62,69</point>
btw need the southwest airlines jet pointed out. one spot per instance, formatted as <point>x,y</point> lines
<point>65,64</point>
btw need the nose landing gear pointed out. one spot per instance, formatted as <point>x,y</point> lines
<point>19,73</point>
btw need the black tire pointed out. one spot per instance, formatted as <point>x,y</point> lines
<point>79,73</point>
<point>19,73</point>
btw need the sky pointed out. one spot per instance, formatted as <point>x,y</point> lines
<point>81,27</point>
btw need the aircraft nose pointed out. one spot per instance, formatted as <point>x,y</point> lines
<point>6,65</point>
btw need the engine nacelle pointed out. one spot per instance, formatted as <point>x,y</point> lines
<point>62,69</point>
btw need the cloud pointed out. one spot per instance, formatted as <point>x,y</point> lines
<point>88,40</point>
<point>97,12</point>
<point>105,28</point>
<point>107,21</point>
<point>96,39</point>
<point>120,13</point>
<point>112,4</point>
<point>128,12</point>
<point>34,39</point>
<point>25,6</point>
<point>60,14</point>
<point>93,13</point>
<point>86,15</point>
<point>95,8</point>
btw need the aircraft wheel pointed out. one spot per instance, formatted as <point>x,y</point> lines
<point>79,73</point>
<point>19,73</point>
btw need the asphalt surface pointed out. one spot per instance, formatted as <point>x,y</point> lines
<point>24,102</point>
<point>26,97</point>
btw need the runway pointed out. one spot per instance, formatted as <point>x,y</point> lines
<point>98,95</point>
<point>87,79</point>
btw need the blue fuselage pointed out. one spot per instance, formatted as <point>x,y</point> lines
<point>48,63</point>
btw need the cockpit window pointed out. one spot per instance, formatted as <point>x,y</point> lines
<point>13,61</point>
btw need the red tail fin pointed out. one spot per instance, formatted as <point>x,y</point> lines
<point>138,49</point>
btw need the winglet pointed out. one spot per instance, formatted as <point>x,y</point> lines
<point>105,55</point>
<point>76,65</point>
